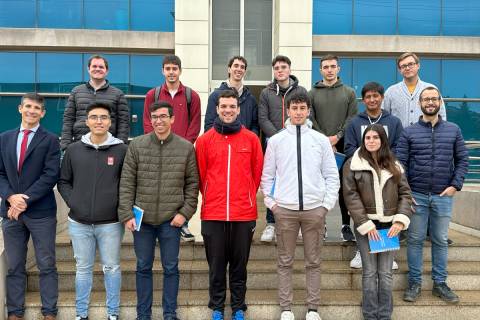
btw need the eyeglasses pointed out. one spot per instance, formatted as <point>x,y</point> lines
<point>408,65</point>
<point>432,99</point>
<point>160,117</point>
<point>94,117</point>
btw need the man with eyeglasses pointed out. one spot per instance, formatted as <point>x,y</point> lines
<point>159,176</point>
<point>333,106</point>
<point>96,89</point>
<point>435,159</point>
<point>401,98</point>
<point>89,180</point>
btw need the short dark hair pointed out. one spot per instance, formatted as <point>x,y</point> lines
<point>328,57</point>
<point>172,59</point>
<point>428,88</point>
<point>281,58</point>
<point>298,97</point>
<point>228,94</point>
<point>97,56</point>
<point>373,86</point>
<point>405,55</point>
<point>99,105</point>
<point>34,97</point>
<point>241,58</point>
<point>161,104</point>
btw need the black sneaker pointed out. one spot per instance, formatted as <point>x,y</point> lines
<point>80,318</point>
<point>413,292</point>
<point>186,235</point>
<point>113,317</point>
<point>445,293</point>
<point>347,234</point>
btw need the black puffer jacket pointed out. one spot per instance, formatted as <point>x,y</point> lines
<point>76,112</point>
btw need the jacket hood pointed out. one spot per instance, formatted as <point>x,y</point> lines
<point>111,141</point>
<point>321,85</point>
<point>274,85</point>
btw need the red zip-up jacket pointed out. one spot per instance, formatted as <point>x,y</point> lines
<point>179,102</point>
<point>230,168</point>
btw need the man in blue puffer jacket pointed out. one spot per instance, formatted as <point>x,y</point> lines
<point>435,158</point>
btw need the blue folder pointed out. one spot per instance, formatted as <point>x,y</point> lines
<point>340,158</point>
<point>138,214</point>
<point>385,243</point>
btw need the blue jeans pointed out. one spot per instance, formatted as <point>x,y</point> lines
<point>144,242</point>
<point>439,210</point>
<point>85,238</point>
<point>377,281</point>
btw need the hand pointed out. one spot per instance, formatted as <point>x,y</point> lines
<point>373,235</point>
<point>334,149</point>
<point>275,206</point>
<point>395,229</point>
<point>449,191</point>
<point>333,140</point>
<point>18,201</point>
<point>130,224</point>
<point>13,213</point>
<point>178,220</point>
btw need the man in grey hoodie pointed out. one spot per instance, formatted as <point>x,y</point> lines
<point>272,114</point>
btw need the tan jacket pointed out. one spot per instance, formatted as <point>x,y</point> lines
<point>369,196</point>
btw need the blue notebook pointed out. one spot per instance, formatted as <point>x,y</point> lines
<point>340,158</point>
<point>138,214</point>
<point>385,243</point>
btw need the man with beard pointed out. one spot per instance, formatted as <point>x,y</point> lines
<point>435,159</point>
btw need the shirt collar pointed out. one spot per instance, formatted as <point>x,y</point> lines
<point>34,129</point>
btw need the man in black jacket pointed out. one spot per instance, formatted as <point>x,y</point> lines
<point>97,89</point>
<point>89,181</point>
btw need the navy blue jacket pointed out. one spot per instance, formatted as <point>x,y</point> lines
<point>40,172</point>
<point>434,158</point>
<point>248,109</point>
<point>358,124</point>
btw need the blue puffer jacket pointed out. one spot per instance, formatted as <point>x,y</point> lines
<point>248,109</point>
<point>434,158</point>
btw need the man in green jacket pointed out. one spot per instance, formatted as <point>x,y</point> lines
<point>160,176</point>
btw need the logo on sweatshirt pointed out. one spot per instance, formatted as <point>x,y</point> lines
<point>110,161</point>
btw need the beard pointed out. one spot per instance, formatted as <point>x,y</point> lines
<point>430,113</point>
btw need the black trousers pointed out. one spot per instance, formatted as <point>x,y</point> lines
<point>227,243</point>
<point>341,201</point>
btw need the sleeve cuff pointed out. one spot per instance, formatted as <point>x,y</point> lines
<point>402,219</point>
<point>364,228</point>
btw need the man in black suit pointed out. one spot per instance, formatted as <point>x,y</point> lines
<point>29,169</point>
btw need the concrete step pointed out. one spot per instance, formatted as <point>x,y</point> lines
<point>262,305</point>
<point>336,274</point>
<point>465,248</point>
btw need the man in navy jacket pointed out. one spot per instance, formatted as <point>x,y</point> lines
<point>435,159</point>
<point>29,169</point>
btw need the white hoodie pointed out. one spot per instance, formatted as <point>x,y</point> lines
<point>313,184</point>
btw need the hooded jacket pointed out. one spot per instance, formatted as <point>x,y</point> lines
<point>370,196</point>
<point>272,111</point>
<point>90,178</point>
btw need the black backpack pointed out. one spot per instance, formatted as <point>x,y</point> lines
<point>188,95</point>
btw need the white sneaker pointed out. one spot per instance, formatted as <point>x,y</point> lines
<point>312,315</point>
<point>268,234</point>
<point>356,262</point>
<point>394,265</point>
<point>299,237</point>
<point>287,315</point>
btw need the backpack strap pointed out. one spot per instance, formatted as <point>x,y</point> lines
<point>188,95</point>
<point>157,93</point>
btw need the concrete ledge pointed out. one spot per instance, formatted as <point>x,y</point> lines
<point>465,209</point>
<point>86,40</point>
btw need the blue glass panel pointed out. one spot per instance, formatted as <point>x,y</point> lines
<point>381,70</point>
<point>58,72</point>
<point>53,119</point>
<point>65,14</point>
<point>118,70</point>
<point>145,73</point>
<point>430,71</point>
<point>9,110</point>
<point>461,18</point>
<point>378,18</point>
<point>147,15</point>
<point>332,16</point>
<point>345,71</point>
<point>17,72</point>
<point>106,14</point>
<point>17,13</point>
<point>136,110</point>
<point>419,17</point>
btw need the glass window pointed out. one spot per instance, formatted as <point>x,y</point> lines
<point>332,16</point>
<point>66,14</point>
<point>381,70</point>
<point>145,73</point>
<point>461,18</point>
<point>378,18</point>
<point>17,72</point>
<point>430,71</point>
<point>419,17</point>
<point>17,13</point>
<point>58,72</point>
<point>147,15</point>
<point>10,116</point>
<point>118,70</point>
<point>53,119</point>
<point>106,14</point>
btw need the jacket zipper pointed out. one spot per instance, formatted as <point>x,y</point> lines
<point>159,176</point>
<point>228,182</point>
<point>432,160</point>
<point>92,205</point>
<point>299,168</point>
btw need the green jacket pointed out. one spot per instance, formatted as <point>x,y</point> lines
<point>332,107</point>
<point>160,177</point>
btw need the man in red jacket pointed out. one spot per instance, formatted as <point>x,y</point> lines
<point>230,162</point>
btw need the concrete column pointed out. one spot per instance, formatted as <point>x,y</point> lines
<point>293,36</point>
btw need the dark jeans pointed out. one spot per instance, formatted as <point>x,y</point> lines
<point>15,236</point>
<point>227,243</point>
<point>144,242</point>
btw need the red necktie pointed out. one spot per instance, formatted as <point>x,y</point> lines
<point>23,148</point>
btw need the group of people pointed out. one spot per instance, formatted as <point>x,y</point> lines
<point>405,162</point>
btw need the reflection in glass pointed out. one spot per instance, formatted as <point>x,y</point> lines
<point>58,72</point>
